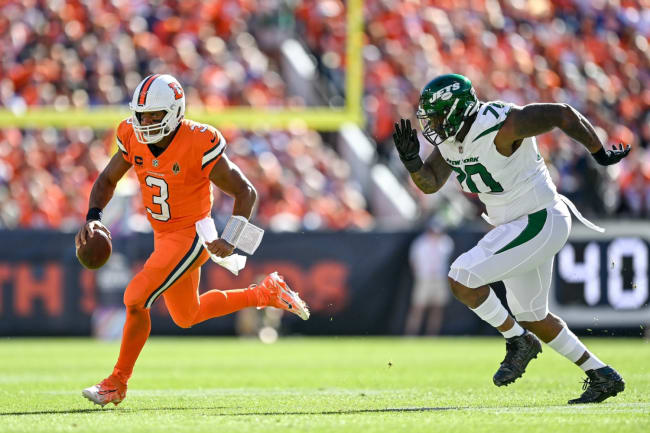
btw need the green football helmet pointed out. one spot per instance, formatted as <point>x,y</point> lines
<point>445,103</point>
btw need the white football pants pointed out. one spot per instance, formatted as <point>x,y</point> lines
<point>519,253</point>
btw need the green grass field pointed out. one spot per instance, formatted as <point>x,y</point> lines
<point>314,385</point>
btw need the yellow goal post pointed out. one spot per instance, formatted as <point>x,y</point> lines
<point>318,118</point>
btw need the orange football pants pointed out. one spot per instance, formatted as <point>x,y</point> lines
<point>173,270</point>
<point>176,258</point>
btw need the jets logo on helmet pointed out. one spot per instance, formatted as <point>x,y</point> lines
<point>157,93</point>
<point>444,93</point>
<point>445,103</point>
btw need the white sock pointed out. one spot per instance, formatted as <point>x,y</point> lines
<point>515,331</point>
<point>568,345</point>
<point>592,363</point>
<point>493,312</point>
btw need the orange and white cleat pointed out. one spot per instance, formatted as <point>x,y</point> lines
<point>274,292</point>
<point>109,390</point>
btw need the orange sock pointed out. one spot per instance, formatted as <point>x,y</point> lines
<point>135,334</point>
<point>217,303</point>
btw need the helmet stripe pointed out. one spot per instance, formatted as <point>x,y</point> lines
<point>145,88</point>
<point>452,109</point>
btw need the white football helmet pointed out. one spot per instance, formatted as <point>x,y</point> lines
<point>157,93</point>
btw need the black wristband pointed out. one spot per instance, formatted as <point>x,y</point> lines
<point>413,165</point>
<point>94,214</point>
<point>601,156</point>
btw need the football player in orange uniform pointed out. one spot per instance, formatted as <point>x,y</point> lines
<point>176,161</point>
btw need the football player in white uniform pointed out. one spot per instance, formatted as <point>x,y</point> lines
<point>492,149</point>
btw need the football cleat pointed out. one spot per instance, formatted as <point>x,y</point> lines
<point>274,292</point>
<point>109,390</point>
<point>599,385</point>
<point>519,352</point>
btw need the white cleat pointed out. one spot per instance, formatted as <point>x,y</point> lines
<point>274,292</point>
<point>107,391</point>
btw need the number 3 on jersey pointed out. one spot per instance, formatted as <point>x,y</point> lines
<point>160,199</point>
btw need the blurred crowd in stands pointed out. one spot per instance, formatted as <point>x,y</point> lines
<point>594,55</point>
<point>46,177</point>
<point>95,52</point>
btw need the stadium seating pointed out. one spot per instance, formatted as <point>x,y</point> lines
<point>63,54</point>
<point>46,177</point>
<point>592,55</point>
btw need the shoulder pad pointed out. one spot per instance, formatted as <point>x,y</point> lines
<point>123,135</point>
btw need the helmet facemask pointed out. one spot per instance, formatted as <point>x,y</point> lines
<point>446,102</point>
<point>436,127</point>
<point>153,133</point>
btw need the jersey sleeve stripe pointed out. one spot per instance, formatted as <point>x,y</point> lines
<point>213,153</point>
<point>120,145</point>
<point>487,131</point>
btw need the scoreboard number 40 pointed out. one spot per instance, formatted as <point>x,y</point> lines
<point>603,276</point>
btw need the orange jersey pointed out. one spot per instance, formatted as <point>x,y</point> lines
<point>175,185</point>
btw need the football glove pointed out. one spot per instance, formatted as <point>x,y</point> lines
<point>609,157</point>
<point>408,145</point>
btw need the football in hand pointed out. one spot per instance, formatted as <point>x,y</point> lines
<point>96,251</point>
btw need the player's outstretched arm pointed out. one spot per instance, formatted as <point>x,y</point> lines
<point>229,178</point>
<point>535,119</point>
<point>100,195</point>
<point>429,176</point>
<point>433,174</point>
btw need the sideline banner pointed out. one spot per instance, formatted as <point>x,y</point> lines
<point>355,283</point>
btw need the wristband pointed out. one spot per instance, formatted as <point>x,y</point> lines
<point>242,235</point>
<point>94,214</point>
<point>234,229</point>
<point>413,165</point>
<point>601,156</point>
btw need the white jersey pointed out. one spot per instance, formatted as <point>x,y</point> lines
<point>509,186</point>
